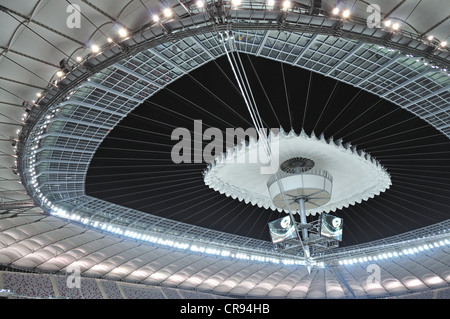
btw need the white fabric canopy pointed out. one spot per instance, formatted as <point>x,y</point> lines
<point>243,173</point>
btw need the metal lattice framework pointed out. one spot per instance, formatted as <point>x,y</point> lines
<point>62,134</point>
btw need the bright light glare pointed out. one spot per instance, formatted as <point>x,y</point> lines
<point>414,283</point>
<point>59,73</point>
<point>435,280</point>
<point>336,11</point>
<point>95,48</point>
<point>167,13</point>
<point>270,2</point>
<point>387,23</point>
<point>430,38</point>
<point>286,4</point>
<point>396,26</point>
<point>236,2</point>
<point>155,18</point>
<point>346,13</point>
<point>200,4</point>
<point>123,32</point>
<point>443,44</point>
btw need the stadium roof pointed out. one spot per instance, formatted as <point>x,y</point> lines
<point>37,35</point>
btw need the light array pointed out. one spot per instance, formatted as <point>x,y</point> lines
<point>196,248</point>
<point>393,25</point>
<point>396,253</point>
<point>421,60</point>
<point>345,13</point>
<point>31,159</point>
<point>200,4</point>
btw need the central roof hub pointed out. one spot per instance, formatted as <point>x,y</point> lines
<point>297,165</point>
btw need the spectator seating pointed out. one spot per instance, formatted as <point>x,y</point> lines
<point>33,285</point>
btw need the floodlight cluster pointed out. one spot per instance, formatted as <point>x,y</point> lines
<point>345,13</point>
<point>31,163</point>
<point>422,60</point>
<point>167,13</point>
<point>188,247</point>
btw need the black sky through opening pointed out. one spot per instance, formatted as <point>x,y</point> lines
<point>133,166</point>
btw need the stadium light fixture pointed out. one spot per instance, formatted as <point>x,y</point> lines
<point>167,12</point>
<point>123,32</point>
<point>395,254</point>
<point>95,48</point>
<point>346,14</point>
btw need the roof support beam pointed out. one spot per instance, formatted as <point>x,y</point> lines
<point>2,8</point>
<point>263,42</point>
<point>63,149</point>
<point>29,57</point>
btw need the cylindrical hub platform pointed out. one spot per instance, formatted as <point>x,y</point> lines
<point>314,185</point>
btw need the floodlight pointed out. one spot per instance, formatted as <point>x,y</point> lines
<point>346,13</point>
<point>167,13</point>
<point>123,32</point>
<point>95,48</point>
